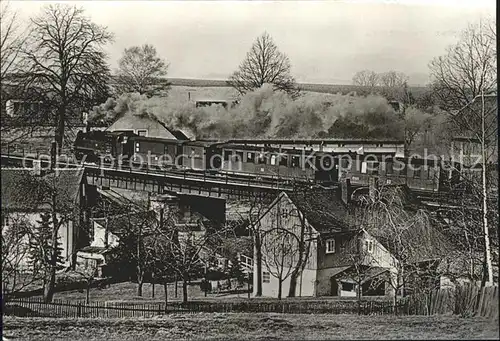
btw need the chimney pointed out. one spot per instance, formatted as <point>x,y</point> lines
<point>189,95</point>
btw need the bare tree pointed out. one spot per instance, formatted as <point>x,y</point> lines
<point>264,63</point>
<point>468,69</point>
<point>257,204</point>
<point>15,251</point>
<point>88,274</point>
<point>12,39</point>
<point>393,225</point>
<point>280,249</point>
<point>366,78</point>
<point>462,79</point>
<point>140,69</point>
<point>393,79</point>
<point>65,57</point>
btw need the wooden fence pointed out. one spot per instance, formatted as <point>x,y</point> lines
<point>31,307</point>
<point>464,300</point>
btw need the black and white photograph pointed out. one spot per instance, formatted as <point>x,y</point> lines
<point>249,170</point>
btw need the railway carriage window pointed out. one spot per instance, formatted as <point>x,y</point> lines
<point>426,171</point>
<point>262,159</point>
<point>238,157</point>
<point>388,168</point>
<point>373,168</point>
<point>308,162</point>
<point>250,157</point>
<point>417,171</point>
<point>227,153</point>
<point>363,167</point>
<point>283,160</point>
<point>273,160</point>
<point>346,164</point>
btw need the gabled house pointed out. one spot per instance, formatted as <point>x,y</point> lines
<point>341,257</point>
<point>26,196</point>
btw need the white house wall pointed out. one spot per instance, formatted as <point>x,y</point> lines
<point>65,234</point>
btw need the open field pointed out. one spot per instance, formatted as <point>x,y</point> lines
<point>224,326</point>
<point>314,87</point>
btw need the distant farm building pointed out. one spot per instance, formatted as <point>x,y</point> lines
<point>209,102</point>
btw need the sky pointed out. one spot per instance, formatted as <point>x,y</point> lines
<point>326,41</point>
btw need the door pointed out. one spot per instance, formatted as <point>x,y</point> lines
<point>334,287</point>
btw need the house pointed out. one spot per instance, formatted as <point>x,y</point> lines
<point>339,256</point>
<point>25,197</point>
<point>146,125</point>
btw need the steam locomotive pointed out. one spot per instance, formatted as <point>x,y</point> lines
<point>288,164</point>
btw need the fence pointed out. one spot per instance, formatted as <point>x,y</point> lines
<point>32,307</point>
<point>465,300</point>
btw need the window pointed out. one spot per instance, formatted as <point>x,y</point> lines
<point>283,160</point>
<point>388,168</point>
<point>238,157</point>
<point>262,158</point>
<point>417,172</point>
<point>273,160</point>
<point>227,153</point>
<point>330,246</point>
<point>373,168</point>
<point>250,157</point>
<point>427,172</point>
<point>266,277</point>
<point>309,162</point>
<point>347,286</point>
<point>363,167</point>
<point>369,246</point>
<point>137,147</point>
<point>142,132</point>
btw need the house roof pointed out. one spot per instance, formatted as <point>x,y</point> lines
<point>21,190</point>
<point>323,209</point>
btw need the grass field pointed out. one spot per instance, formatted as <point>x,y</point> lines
<point>127,291</point>
<point>226,326</point>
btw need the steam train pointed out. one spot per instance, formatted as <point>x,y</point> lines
<point>259,161</point>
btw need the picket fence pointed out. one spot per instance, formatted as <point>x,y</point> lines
<point>32,307</point>
<point>465,300</point>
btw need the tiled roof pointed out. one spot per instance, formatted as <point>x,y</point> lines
<point>21,190</point>
<point>323,209</point>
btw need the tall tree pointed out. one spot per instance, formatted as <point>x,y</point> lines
<point>461,80</point>
<point>366,78</point>
<point>65,57</point>
<point>140,69</point>
<point>264,63</point>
